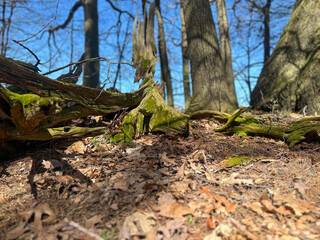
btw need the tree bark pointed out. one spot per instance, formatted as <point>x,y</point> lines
<point>185,61</point>
<point>226,49</point>
<point>209,87</point>
<point>165,71</point>
<point>91,69</point>
<point>290,80</point>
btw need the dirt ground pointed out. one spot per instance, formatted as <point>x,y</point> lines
<point>205,186</point>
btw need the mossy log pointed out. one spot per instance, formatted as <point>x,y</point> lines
<point>307,128</point>
<point>34,116</point>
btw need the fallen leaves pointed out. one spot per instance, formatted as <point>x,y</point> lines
<point>137,224</point>
<point>164,187</point>
<point>173,210</point>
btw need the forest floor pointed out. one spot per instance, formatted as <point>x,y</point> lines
<point>163,187</point>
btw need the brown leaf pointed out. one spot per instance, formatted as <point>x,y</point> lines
<point>167,161</point>
<point>211,222</point>
<point>297,206</point>
<point>301,187</point>
<point>173,229</point>
<point>180,173</point>
<point>174,210</point>
<point>165,198</point>
<point>233,180</point>
<point>90,223</point>
<point>139,223</point>
<point>35,217</point>
<point>77,147</point>
<point>256,207</point>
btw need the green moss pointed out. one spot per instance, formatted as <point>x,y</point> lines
<point>232,160</point>
<point>300,134</point>
<point>32,103</point>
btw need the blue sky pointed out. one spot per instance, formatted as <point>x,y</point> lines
<point>35,14</point>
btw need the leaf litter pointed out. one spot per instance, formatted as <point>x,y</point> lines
<point>206,186</point>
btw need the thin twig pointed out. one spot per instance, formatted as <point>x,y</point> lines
<point>38,60</point>
<point>88,60</point>
<point>55,17</point>
<point>84,230</point>
<point>109,64</point>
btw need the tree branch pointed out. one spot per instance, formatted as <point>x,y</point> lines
<point>70,16</point>
<point>119,10</point>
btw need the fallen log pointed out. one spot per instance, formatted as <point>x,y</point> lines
<point>304,129</point>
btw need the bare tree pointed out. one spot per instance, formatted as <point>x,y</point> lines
<point>6,19</point>
<point>185,61</point>
<point>226,49</point>
<point>165,71</point>
<point>209,86</point>
<point>91,69</point>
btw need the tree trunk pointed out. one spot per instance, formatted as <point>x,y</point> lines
<point>290,78</point>
<point>209,87</point>
<point>165,71</point>
<point>91,69</point>
<point>226,49</point>
<point>185,61</point>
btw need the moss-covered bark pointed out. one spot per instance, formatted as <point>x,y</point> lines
<point>35,115</point>
<point>31,117</point>
<point>304,129</point>
<point>153,115</point>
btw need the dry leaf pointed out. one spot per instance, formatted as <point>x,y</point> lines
<point>90,223</point>
<point>297,206</point>
<point>139,223</point>
<point>167,161</point>
<point>165,198</point>
<point>258,181</point>
<point>47,164</point>
<point>173,210</point>
<point>301,187</point>
<point>77,147</point>
<point>232,180</point>
<point>219,203</point>
<point>212,223</point>
<point>35,217</point>
<point>256,207</point>
<point>172,230</point>
<point>121,186</point>
<point>180,173</point>
<point>222,231</point>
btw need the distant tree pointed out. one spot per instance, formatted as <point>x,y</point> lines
<point>291,77</point>
<point>210,89</point>
<point>165,71</point>
<point>185,61</point>
<point>91,69</point>
<point>225,45</point>
<point>7,10</point>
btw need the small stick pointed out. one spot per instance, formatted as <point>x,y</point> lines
<point>84,230</point>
